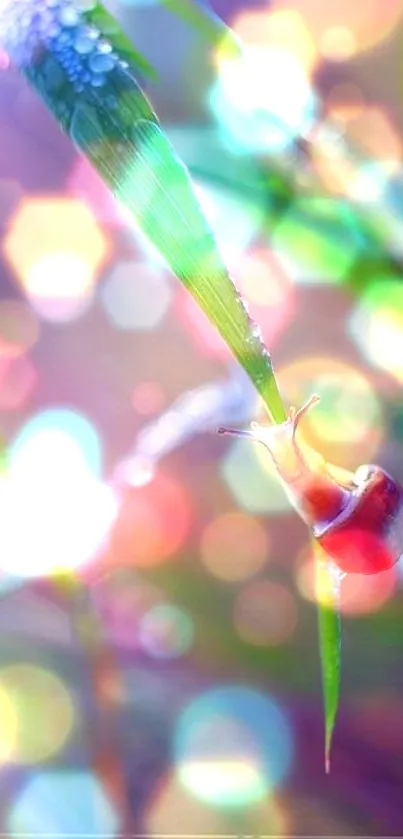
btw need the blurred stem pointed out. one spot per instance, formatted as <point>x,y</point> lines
<point>106,685</point>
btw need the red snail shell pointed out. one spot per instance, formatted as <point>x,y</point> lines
<point>357,521</point>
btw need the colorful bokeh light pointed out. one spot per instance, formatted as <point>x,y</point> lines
<point>71,802</point>
<point>56,432</point>
<point>166,631</point>
<point>265,614</point>
<point>174,810</point>
<point>40,714</point>
<point>123,598</point>
<point>368,24</point>
<point>154,522</point>
<point>136,295</point>
<point>376,325</point>
<point>232,746</point>
<point>346,426</point>
<point>254,114</point>
<point>56,250</point>
<point>310,233</point>
<point>234,546</point>
<point>284,29</point>
<point>246,470</point>
<point>57,512</point>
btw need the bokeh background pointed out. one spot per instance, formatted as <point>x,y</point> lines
<point>159,670</point>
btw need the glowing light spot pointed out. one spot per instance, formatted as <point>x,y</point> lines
<point>234,546</point>
<point>136,296</point>
<point>265,614</point>
<point>166,631</point>
<point>346,426</point>
<point>136,471</point>
<point>368,23</point>
<point>56,513</point>
<point>310,232</point>
<point>153,523</point>
<point>369,182</point>
<point>176,811</point>
<point>19,328</point>
<point>284,29</point>
<point>247,471</point>
<point>246,217</point>
<point>359,594</point>
<point>17,381</point>
<point>73,802</point>
<point>60,286</point>
<point>42,714</point>
<point>54,435</point>
<point>376,325</point>
<point>255,115</point>
<point>56,250</point>
<point>232,745</point>
<point>338,43</point>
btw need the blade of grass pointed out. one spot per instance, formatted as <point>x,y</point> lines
<point>329,625</point>
<point>145,174</point>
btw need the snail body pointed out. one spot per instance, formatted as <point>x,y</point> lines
<point>357,520</point>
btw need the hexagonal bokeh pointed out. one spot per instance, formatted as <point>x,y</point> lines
<point>62,803</point>
<point>56,250</point>
<point>136,295</point>
<point>252,485</point>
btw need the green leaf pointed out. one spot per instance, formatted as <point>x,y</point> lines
<point>99,17</point>
<point>327,588</point>
<point>137,161</point>
<point>208,24</point>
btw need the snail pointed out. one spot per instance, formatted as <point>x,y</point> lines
<point>357,518</point>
